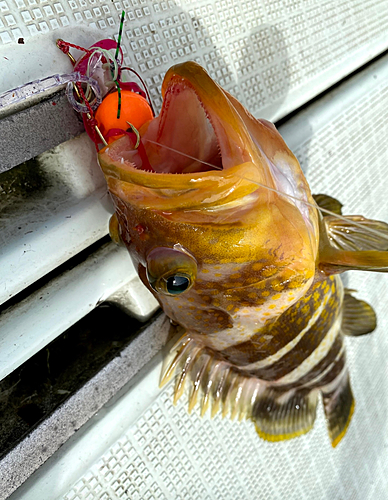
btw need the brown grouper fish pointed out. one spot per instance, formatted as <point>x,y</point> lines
<point>221,225</point>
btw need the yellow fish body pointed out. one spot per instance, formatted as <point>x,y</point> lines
<point>222,228</point>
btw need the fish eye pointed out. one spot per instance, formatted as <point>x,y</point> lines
<point>177,284</point>
<point>170,271</point>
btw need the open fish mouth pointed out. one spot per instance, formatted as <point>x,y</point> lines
<point>223,155</point>
<point>185,128</point>
<point>197,130</point>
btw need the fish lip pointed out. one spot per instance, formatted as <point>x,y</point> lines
<point>168,193</point>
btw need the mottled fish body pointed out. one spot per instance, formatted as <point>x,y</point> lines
<point>240,256</point>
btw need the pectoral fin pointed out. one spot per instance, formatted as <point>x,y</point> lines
<point>114,230</point>
<point>358,316</point>
<point>353,242</point>
<point>328,203</point>
<point>284,417</point>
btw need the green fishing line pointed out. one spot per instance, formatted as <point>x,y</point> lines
<point>120,34</point>
<point>116,58</point>
<point>119,104</point>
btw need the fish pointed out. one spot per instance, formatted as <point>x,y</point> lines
<point>222,228</point>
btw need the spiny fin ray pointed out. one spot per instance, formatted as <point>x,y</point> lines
<point>210,380</point>
<point>203,363</point>
<point>218,390</point>
<point>277,415</point>
<point>186,371</point>
<point>176,354</point>
<point>208,386</point>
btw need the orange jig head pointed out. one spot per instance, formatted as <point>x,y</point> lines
<point>135,111</point>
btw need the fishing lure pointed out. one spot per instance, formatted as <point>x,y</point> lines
<point>118,105</point>
<point>236,250</point>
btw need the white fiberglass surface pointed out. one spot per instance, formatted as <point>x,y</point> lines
<point>34,322</point>
<point>51,209</point>
<point>274,56</point>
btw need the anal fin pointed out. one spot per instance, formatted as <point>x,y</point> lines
<point>358,317</point>
<point>339,407</point>
<point>279,417</point>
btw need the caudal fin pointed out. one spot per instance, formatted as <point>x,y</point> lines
<point>338,404</point>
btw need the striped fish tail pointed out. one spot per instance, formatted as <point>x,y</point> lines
<point>278,416</point>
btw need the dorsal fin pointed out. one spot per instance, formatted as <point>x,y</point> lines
<point>215,383</point>
<point>353,242</point>
<point>212,381</point>
<point>328,203</point>
<point>358,317</point>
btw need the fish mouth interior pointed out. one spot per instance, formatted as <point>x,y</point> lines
<point>185,138</point>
